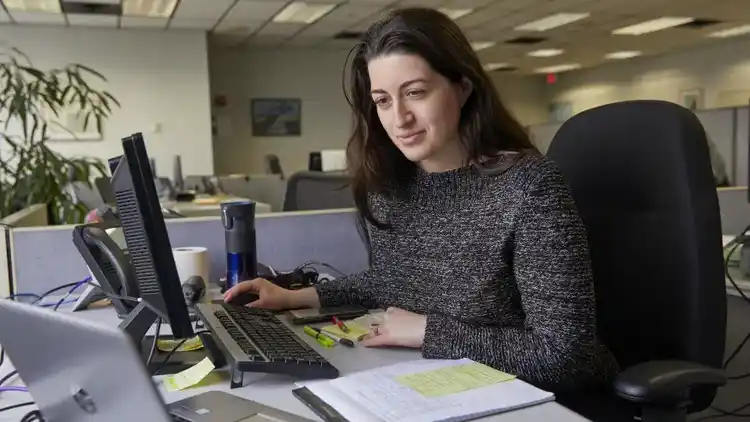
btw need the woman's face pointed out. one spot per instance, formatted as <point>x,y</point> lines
<point>419,109</point>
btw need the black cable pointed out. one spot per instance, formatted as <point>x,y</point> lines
<point>16,406</point>
<point>70,292</point>
<point>166,359</point>
<point>33,416</point>
<point>49,292</point>
<point>2,357</point>
<point>5,379</point>
<point>736,351</point>
<point>126,298</point>
<point>322,264</point>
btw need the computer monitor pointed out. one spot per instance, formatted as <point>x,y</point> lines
<point>148,244</point>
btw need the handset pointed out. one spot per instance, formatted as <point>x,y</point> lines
<point>108,264</point>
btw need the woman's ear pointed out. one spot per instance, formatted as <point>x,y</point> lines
<point>466,89</point>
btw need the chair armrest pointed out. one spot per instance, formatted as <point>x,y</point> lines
<point>666,382</point>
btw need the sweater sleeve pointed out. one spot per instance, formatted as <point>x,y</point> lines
<point>354,289</point>
<point>556,345</point>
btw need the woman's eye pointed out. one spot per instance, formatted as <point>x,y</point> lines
<point>415,93</point>
<point>381,101</point>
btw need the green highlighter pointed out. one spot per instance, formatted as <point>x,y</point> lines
<point>320,337</point>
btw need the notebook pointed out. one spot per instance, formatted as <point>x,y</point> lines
<point>420,391</point>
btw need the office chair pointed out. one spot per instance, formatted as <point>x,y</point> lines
<point>312,190</point>
<point>640,174</point>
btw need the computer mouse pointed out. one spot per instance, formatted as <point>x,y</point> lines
<point>243,299</point>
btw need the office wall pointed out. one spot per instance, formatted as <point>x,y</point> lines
<point>314,77</point>
<point>160,78</point>
<point>721,69</point>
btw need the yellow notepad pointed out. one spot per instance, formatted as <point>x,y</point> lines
<point>356,331</point>
<point>190,376</point>
<point>453,379</point>
<point>167,345</point>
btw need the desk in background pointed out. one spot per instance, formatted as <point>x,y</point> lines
<point>276,390</point>
<point>209,206</point>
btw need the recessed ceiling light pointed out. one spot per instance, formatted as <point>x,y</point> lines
<point>301,12</point>
<point>546,52</point>
<point>552,21</point>
<point>149,8</point>
<point>46,6</point>
<point>731,32</point>
<point>652,26</point>
<point>481,45</point>
<point>496,66</point>
<point>621,55</point>
<point>558,68</point>
<point>455,13</point>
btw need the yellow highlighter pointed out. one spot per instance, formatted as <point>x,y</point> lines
<point>324,340</point>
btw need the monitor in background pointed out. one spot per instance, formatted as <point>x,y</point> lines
<point>314,162</point>
<point>148,244</point>
<point>333,159</point>
<point>179,182</point>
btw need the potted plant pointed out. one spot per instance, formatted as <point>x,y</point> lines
<point>31,101</point>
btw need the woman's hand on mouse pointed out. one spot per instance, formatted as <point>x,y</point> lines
<point>273,297</point>
<point>399,328</point>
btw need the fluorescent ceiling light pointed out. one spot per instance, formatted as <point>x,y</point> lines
<point>301,12</point>
<point>559,68</point>
<point>552,21</point>
<point>652,26</point>
<point>495,66</point>
<point>731,32</point>
<point>481,45</point>
<point>149,8</point>
<point>47,6</point>
<point>546,52</point>
<point>621,55</point>
<point>455,13</point>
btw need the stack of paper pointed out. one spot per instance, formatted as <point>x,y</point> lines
<point>427,391</point>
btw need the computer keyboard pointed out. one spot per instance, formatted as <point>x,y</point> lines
<point>257,341</point>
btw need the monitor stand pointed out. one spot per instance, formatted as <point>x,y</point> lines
<point>137,323</point>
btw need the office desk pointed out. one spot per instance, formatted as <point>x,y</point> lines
<point>276,390</point>
<point>197,209</point>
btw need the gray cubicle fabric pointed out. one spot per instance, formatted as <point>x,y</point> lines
<point>741,147</point>
<point>45,258</point>
<point>735,210</point>
<point>719,126</point>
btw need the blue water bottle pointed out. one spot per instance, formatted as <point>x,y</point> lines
<point>239,236</point>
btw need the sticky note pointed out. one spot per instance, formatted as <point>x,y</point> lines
<point>189,345</point>
<point>453,379</point>
<point>356,331</point>
<point>190,376</point>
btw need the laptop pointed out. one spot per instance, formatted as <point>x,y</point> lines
<point>80,371</point>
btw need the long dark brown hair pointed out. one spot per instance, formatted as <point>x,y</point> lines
<point>486,127</point>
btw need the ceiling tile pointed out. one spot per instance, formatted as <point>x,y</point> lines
<point>254,11</point>
<point>93,1</point>
<point>265,41</point>
<point>352,12</point>
<point>281,29</point>
<point>237,28</point>
<point>322,29</point>
<point>228,40</point>
<point>202,9</point>
<point>206,24</point>
<point>141,22</point>
<point>38,18</point>
<point>92,20</point>
<point>300,41</point>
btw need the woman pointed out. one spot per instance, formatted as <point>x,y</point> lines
<point>477,248</point>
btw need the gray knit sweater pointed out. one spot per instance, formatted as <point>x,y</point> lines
<point>498,262</point>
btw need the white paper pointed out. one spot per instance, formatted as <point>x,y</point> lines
<point>374,396</point>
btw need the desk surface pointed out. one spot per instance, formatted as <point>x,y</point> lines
<point>276,390</point>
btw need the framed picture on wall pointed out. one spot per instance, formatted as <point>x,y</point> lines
<point>276,116</point>
<point>692,99</point>
<point>70,125</point>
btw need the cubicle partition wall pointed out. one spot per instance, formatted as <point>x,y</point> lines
<point>4,268</point>
<point>43,258</point>
<point>726,127</point>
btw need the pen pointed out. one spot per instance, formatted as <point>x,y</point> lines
<point>320,337</point>
<point>345,341</point>
<point>339,323</point>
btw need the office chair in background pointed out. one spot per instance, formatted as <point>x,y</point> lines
<point>312,190</point>
<point>641,177</point>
